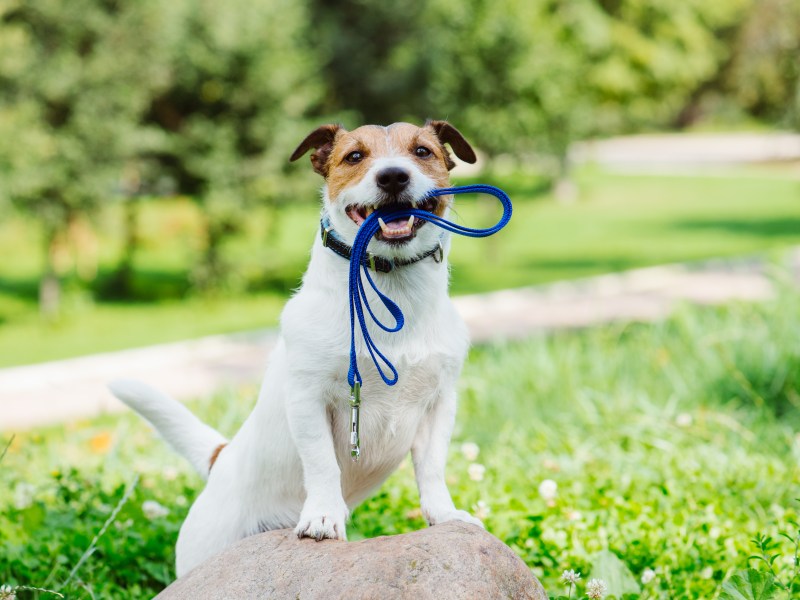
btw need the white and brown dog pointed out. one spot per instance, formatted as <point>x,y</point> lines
<point>289,465</point>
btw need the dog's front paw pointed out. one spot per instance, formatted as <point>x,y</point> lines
<point>322,524</point>
<point>437,518</point>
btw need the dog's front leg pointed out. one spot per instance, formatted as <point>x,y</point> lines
<point>324,513</point>
<point>429,452</point>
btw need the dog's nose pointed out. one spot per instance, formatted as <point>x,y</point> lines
<point>393,180</point>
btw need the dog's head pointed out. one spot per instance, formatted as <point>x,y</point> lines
<point>385,167</point>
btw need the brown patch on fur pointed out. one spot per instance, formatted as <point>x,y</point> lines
<point>370,140</point>
<point>448,134</point>
<point>322,140</point>
<point>215,455</point>
<point>374,141</point>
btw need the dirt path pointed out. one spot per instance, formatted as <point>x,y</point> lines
<point>692,152</point>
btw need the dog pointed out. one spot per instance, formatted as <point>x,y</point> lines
<point>290,464</point>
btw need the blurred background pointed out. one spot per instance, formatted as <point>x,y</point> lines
<point>145,190</point>
<point>146,197</point>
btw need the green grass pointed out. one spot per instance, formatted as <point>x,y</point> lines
<point>105,328</point>
<point>619,222</point>
<point>672,445</point>
<point>622,222</point>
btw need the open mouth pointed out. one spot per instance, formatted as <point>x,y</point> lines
<point>398,230</point>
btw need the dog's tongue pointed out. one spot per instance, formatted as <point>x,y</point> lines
<point>397,223</point>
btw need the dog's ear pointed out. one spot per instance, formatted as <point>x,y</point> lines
<point>448,134</point>
<point>321,139</point>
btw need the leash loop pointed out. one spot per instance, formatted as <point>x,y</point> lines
<point>358,294</point>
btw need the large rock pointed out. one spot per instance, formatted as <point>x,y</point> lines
<point>449,561</point>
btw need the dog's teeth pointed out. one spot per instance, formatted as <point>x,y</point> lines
<point>383,225</point>
<point>410,222</point>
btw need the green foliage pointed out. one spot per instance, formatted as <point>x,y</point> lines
<point>372,58</point>
<point>536,76</point>
<point>101,100</point>
<point>46,533</point>
<point>105,101</point>
<point>615,573</point>
<point>658,59</point>
<point>238,90</point>
<point>75,80</point>
<point>653,466</point>
<point>750,584</point>
<point>764,75</point>
<point>514,71</point>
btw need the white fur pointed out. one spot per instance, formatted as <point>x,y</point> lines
<point>289,464</point>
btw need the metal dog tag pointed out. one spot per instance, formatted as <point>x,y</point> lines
<point>355,405</point>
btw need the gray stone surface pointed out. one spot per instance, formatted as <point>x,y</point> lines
<point>450,561</point>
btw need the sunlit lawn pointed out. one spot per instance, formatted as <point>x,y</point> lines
<point>618,222</point>
<point>670,445</point>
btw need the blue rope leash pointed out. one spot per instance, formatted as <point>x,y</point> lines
<point>358,294</point>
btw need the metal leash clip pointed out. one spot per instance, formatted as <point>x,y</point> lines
<point>355,405</point>
<point>440,252</point>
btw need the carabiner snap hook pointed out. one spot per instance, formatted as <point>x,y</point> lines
<point>355,406</point>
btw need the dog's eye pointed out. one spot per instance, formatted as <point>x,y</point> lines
<point>422,151</point>
<point>354,157</point>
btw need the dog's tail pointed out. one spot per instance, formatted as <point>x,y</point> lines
<point>188,435</point>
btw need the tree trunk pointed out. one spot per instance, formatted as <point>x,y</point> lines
<point>123,281</point>
<point>211,271</point>
<point>49,284</point>
<point>565,190</point>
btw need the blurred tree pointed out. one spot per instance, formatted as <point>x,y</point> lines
<point>101,98</point>
<point>535,75</point>
<point>764,76</point>
<point>373,57</point>
<point>74,80</point>
<point>241,81</point>
<point>661,59</point>
<point>514,73</point>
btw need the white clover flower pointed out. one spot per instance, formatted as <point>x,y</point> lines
<point>154,510</point>
<point>596,589</point>
<point>120,525</point>
<point>476,471</point>
<point>23,495</point>
<point>7,593</point>
<point>707,573</point>
<point>470,450</point>
<point>548,489</point>
<point>684,420</point>
<point>574,515</point>
<point>480,510</point>
<point>648,575</point>
<point>570,576</point>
